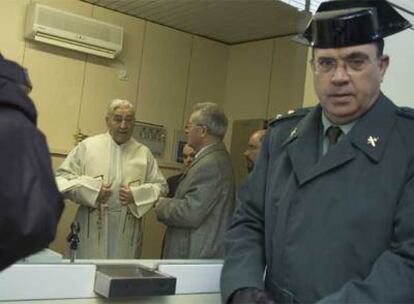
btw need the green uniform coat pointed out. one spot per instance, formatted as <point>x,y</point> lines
<point>337,228</point>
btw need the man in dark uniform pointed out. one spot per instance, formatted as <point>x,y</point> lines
<point>327,215</point>
<point>30,203</point>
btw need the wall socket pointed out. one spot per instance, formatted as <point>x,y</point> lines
<point>123,74</point>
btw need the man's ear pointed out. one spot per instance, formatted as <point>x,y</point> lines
<point>383,66</point>
<point>204,131</point>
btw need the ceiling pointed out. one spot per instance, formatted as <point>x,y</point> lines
<point>227,21</point>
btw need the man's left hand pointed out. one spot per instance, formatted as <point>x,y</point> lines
<point>125,196</point>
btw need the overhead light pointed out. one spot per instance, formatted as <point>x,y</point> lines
<point>301,4</point>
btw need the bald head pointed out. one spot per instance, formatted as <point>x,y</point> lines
<point>253,148</point>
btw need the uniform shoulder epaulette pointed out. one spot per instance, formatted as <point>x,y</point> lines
<point>297,113</point>
<point>406,112</point>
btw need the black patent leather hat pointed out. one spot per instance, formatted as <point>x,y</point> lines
<point>343,23</point>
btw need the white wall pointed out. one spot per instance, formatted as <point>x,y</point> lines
<point>398,80</point>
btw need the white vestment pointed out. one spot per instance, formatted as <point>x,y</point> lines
<point>115,231</point>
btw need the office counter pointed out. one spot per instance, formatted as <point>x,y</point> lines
<point>67,283</point>
<point>176,299</point>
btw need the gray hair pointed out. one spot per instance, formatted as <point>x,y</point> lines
<point>210,115</point>
<point>118,103</point>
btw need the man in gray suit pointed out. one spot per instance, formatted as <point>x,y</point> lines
<point>199,213</point>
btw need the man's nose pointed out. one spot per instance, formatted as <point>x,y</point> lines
<point>123,124</point>
<point>340,74</point>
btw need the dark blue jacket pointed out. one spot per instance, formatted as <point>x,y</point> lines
<point>30,203</point>
<point>331,229</point>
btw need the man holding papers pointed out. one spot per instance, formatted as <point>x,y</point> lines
<point>115,180</point>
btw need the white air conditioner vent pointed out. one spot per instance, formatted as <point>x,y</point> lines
<point>60,28</point>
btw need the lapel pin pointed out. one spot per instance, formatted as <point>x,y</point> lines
<point>372,141</point>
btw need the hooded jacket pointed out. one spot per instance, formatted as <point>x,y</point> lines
<point>30,203</point>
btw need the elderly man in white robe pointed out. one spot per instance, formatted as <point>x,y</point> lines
<point>115,180</point>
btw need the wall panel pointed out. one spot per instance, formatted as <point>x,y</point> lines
<point>248,80</point>
<point>12,16</point>
<point>208,73</point>
<point>288,76</point>
<point>163,80</point>
<point>102,76</point>
<point>57,76</point>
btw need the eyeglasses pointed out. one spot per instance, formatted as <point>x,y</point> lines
<point>352,64</point>
<point>190,126</point>
<point>119,119</point>
<point>252,148</point>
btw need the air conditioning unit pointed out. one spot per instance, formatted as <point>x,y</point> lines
<point>71,31</point>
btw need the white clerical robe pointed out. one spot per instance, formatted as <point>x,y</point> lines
<point>115,231</point>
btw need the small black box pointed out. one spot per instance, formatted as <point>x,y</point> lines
<point>118,281</point>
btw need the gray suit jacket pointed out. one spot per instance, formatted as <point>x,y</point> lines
<point>198,215</point>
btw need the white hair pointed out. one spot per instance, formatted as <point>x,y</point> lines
<point>210,115</point>
<point>118,103</point>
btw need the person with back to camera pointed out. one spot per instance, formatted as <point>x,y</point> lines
<point>327,214</point>
<point>116,182</point>
<point>29,199</point>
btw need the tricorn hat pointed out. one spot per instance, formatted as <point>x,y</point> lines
<point>341,23</point>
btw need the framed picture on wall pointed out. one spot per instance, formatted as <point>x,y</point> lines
<point>179,142</point>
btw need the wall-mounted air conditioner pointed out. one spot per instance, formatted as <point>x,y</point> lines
<point>75,32</point>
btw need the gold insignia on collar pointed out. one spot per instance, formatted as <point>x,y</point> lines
<point>372,141</point>
<point>290,112</point>
<point>294,131</point>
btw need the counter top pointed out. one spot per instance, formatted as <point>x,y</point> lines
<point>67,283</point>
